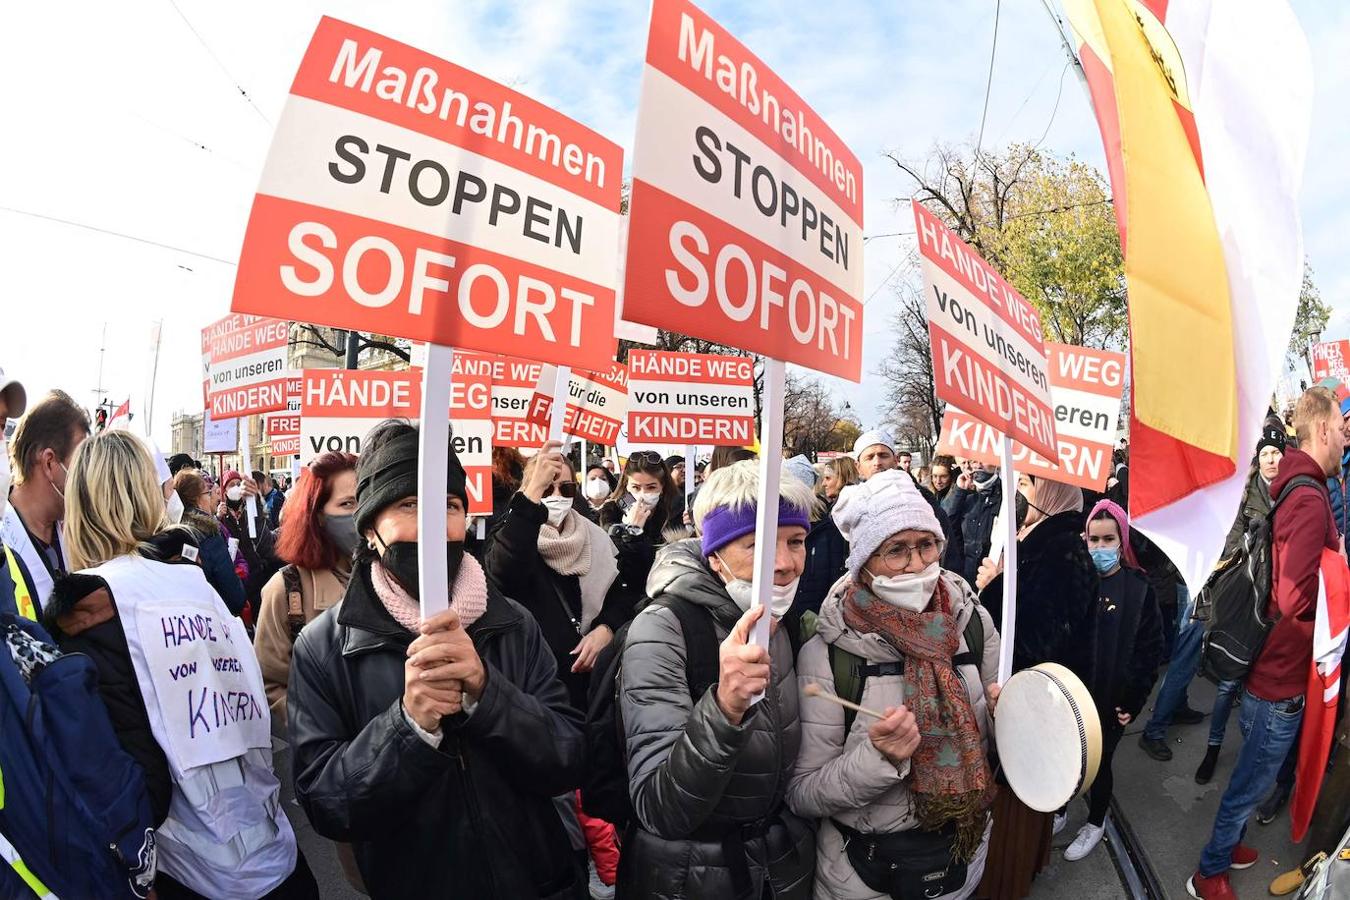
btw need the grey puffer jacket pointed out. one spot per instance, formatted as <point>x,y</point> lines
<point>842,776</point>
<point>697,782</point>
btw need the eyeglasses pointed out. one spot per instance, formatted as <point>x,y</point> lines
<point>896,557</point>
<point>566,489</point>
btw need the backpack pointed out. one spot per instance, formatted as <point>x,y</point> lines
<point>295,600</point>
<point>851,671</point>
<point>1234,600</point>
<point>604,788</point>
<point>75,818</point>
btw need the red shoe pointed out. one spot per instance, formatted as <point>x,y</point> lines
<point>1244,857</point>
<point>1215,887</point>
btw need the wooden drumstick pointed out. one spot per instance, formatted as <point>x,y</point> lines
<point>815,690</point>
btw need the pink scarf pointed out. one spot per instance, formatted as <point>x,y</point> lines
<point>468,597</point>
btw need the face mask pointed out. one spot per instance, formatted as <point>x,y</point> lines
<point>742,593</point>
<point>342,531</point>
<point>911,591</point>
<point>597,489</point>
<point>4,473</point>
<point>60,493</point>
<point>1106,558</point>
<point>174,507</point>
<point>400,559</point>
<point>558,508</point>
<point>783,595</point>
<point>1021,507</point>
<point>981,476</point>
<point>234,493</point>
<point>645,499</point>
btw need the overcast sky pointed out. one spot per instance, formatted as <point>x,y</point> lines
<point>117,117</point>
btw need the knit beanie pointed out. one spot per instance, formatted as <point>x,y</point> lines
<point>800,468</point>
<point>724,524</point>
<point>1271,436</point>
<point>885,504</point>
<point>388,473</point>
<point>870,438</point>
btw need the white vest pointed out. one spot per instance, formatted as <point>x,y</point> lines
<point>16,538</point>
<point>226,835</point>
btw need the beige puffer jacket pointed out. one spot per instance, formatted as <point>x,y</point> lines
<point>845,777</point>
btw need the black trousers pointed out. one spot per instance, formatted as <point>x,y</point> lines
<point>1099,795</point>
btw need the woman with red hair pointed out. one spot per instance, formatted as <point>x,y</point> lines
<point>316,540</point>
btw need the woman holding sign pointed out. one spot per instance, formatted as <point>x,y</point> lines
<point>903,801</point>
<point>435,747</point>
<point>180,681</point>
<point>708,771</point>
<point>562,566</point>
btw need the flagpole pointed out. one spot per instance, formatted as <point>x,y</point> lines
<point>154,374</point>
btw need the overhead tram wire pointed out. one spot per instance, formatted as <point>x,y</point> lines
<point>989,82</point>
<point>234,81</point>
<point>121,234</point>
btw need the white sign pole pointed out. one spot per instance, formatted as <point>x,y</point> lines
<point>246,463</point>
<point>582,459</point>
<point>560,389</point>
<point>690,453</point>
<point>433,453</point>
<point>766,510</point>
<point>1009,516</point>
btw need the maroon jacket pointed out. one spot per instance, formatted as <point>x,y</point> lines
<point>1303,526</point>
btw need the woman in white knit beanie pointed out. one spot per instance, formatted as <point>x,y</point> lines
<point>902,802</point>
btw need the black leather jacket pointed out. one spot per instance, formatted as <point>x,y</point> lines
<point>474,818</point>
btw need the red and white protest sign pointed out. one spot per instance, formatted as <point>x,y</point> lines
<point>988,351</point>
<point>339,407</point>
<point>746,216</point>
<point>1331,359</point>
<point>283,429</point>
<point>596,403</point>
<point>248,366</point>
<point>690,398</point>
<point>1085,387</point>
<point>408,196</point>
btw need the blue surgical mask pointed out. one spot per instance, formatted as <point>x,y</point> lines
<point>1106,558</point>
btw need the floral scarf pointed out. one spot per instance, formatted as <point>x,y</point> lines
<point>950,773</point>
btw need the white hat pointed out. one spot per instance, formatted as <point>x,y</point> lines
<point>872,438</point>
<point>15,397</point>
<point>885,504</point>
<point>800,467</point>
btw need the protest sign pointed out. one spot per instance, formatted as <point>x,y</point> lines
<point>988,352</point>
<point>1085,389</point>
<point>1331,359</point>
<point>746,215</point>
<point>283,429</point>
<point>406,195</point>
<point>514,383</point>
<point>596,402</point>
<point>690,398</point>
<point>248,365</point>
<point>339,407</point>
<point>219,436</point>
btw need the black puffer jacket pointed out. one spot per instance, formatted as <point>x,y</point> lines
<point>1056,597</point>
<point>698,782</point>
<point>515,568</point>
<point>473,818</point>
<point>977,523</point>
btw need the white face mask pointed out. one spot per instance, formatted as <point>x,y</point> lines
<point>174,507</point>
<point>557,509</point>
<point>597,489</point>
<point>4,473</point>
<point>645,499</point>
<point>742,593</point>
<point>912,591</point>
<point>234,493</point>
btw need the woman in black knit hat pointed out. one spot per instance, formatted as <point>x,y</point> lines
<point>434,746</point>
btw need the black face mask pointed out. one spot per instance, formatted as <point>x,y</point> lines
<point>1020,507</point>
<point>400,558</point>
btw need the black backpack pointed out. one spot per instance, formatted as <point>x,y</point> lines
<point>1234,600</point>
<point>604,789</point>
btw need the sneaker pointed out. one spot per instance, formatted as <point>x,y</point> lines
<point>1188,716</point>
<point>1206,770</point>
<point>1245,857</point>
<point>1089,836</point>
<point>598,889</point>
<point>1061,819</point>
<point>1156,749</point>
<point>1216,887</point>
<point>1270,809</point>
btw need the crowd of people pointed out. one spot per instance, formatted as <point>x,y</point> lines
<point>591,716</point>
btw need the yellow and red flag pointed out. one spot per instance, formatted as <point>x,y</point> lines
<point>1204,109</point>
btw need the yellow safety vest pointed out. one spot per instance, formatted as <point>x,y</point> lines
<point>23,597</point>
<point>10,855</point>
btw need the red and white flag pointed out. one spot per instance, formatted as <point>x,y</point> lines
<point>121,417</point>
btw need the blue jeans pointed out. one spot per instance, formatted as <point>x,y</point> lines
<point>1180,670</point>
<point>1268,731</point>
<point>1223,705</point>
